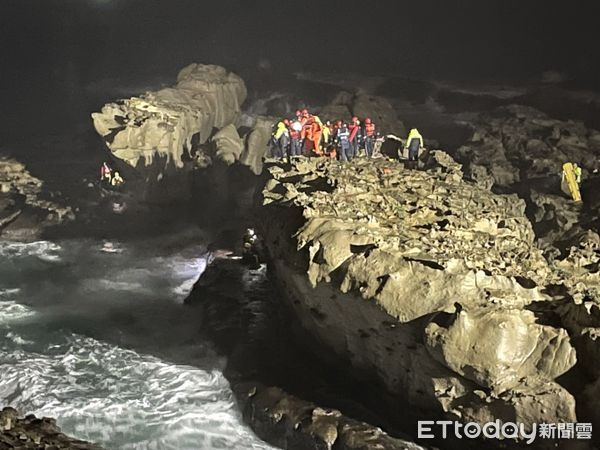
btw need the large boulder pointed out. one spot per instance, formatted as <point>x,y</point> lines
<point>161,138</point>
<point>498,348</point>
<point>163,124</point>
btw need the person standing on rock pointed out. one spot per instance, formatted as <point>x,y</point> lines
<point>370,134</point>
<point>295,131</point>
<point>280,139</point>
<point>327,127</point>
<point>105,173</point>
<point>414,142</point>
<point>355,137</point>
<point>342,140</point>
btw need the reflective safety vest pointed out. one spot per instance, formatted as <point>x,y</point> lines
<point>414,134</point>
<point>343,134</point>
<point>281,130</point>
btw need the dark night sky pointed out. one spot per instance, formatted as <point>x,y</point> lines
<point>53,49</point>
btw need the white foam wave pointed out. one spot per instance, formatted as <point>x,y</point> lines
<point>122,399</point>
<point>42,249</point>
<point>98,390</point>
<point>11,311</point>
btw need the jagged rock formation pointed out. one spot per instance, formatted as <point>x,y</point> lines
<point>291,423</point>
<point>167,134</point>
<point>432,285</point>
<point>24,211</point>
<point>33,433</point>
<point>164,123</point>
<point>521,149</point>
<point>517,143</point>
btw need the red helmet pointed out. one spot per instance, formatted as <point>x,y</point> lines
<point>367,120</point>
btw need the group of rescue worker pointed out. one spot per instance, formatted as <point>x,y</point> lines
<point>308,135</point>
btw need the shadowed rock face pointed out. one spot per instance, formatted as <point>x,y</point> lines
<point>24,210</point>
<point>517,143</point>
<point>434,286</point>
<point>291,423</point>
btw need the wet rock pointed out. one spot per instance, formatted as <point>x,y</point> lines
<point>33,433</point>
<point>291,423</point>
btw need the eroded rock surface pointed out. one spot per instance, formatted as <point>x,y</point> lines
<point>292,423</point>
<point>433,285</point>
<point>32,433</point>
<point>164,123</point>
<point>168,134</point>
<point>25,210</point>
<point>521,143</point>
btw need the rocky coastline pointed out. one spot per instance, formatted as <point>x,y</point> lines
<point>435,287</point>
<point>467,290</point>
<point>30,432</point>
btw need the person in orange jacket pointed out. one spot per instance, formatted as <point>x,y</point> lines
<point>370,136</point>
<point>355,137</point>
<point>317,133</point>
<point>307,136</point>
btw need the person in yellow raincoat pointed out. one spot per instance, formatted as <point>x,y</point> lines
<point>414,142</point>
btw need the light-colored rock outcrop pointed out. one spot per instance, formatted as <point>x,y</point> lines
<point>163,124</point>
<point>426,282</point>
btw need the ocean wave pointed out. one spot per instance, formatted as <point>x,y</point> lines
<point>42,249</point>
<point>122,399</point>
<point>11,311</point>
